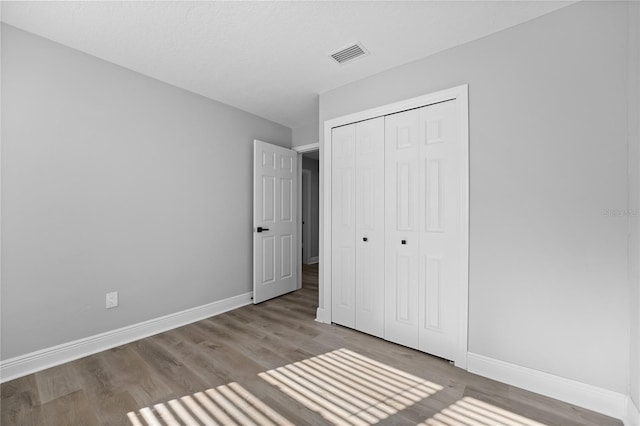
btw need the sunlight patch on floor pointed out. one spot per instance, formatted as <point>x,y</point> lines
<point>471,412</point>
<point>227,405</point>
<point>342,386</point>
<point>347,388</point>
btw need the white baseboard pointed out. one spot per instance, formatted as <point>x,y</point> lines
<point>632,416</point>
<point>321,316</point>
<point>581,394</point>
<point>313,260</point>
<point>49,357</point>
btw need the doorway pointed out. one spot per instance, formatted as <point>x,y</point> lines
<point>309,214</point>
<point>306,219</point>
<point>310,207</point>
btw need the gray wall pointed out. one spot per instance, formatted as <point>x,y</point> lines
<point>114,181</point>
<point>307,133</point>
<point>548,153</point>
<point>313,166</point>
<point>634,198</point>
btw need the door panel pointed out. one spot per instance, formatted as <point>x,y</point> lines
<point>268,199</point>
<point>268,259</point>
<point>286,191</point>
<point>401,231</point>
<point>343,271</point>
<point>434,192</point>
<point>370,226</point>
<point>405,199</point>
<point>403,307</point>
<point>274,199</point>
<point>287,264</point>
<point>440,229</point>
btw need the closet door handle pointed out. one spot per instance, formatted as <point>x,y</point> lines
<point>404,241</point>
<point>261,229</point>
<point>365,239</point>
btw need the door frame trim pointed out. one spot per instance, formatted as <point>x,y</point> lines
<point>307,148</point>
<point>461,94</point>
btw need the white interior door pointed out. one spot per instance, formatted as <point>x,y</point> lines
<point>274,221</point>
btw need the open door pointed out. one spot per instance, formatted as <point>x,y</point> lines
<point>275,223</point>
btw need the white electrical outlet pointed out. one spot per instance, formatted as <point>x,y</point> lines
<point>112,299</point>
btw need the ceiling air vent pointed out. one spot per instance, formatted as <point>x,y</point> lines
<point>349,53</point>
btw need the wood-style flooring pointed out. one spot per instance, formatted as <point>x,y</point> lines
<point>273,364</point>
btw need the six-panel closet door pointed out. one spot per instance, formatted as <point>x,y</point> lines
<point>396,197</point>
<point>423,228</point>
<point>358,226</point>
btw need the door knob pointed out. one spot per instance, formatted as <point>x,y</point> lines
<point>365,239</point>
<point>261,229</point>
<point>404,241</point>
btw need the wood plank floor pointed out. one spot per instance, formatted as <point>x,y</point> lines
<point>273,364</point>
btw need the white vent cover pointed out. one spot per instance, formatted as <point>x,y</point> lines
<point>349,53</point>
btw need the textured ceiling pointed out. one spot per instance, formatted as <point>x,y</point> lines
<point>269,58</point>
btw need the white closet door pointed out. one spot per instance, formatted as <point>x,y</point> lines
<point>343,224</point>
<point>440,229</point>
<point>369,292</point>
<point>402,245</point>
